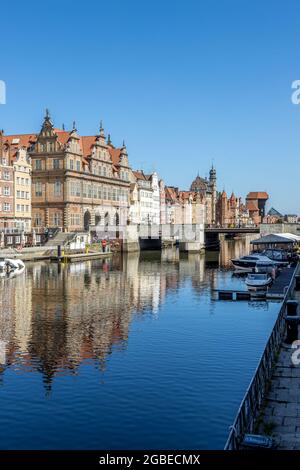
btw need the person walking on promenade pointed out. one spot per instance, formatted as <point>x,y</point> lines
<point>103,245</point>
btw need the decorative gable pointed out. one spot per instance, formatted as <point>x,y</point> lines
<point>47,138</point>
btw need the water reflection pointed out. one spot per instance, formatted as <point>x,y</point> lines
<point>234,249</point>
<point>109,345</point>
<point>55,317</point>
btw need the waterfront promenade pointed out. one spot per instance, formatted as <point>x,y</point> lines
<point>272,395</point>
<point>280,416</point>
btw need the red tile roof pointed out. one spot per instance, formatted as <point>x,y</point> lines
<point>62,136</point>
<point>185,195</point>
<point>171,193</point>
<point>258,195</point>
<point>139,175</point>
<point>25,140</point>
<point>86,143</point>
<point>115,155</point>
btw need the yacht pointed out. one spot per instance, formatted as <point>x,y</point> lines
<point>258,281</point>
<point>267,266</point>
<point>248,263</point>
<point>281,257</point>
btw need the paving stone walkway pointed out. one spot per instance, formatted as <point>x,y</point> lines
<point>281,414</point>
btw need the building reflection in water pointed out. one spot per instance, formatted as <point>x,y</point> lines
<point>53,318</point>
<point>235,249</point>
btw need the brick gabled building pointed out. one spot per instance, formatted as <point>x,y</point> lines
<point>77,181</point>
<point>256,205</point>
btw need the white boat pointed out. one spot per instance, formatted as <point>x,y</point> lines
<point>248,263</point>
<point>14,263</point>
<point>278,256</point>
<point>15,272</point>
<point>266,266</point>
<point>258,281</point>
<point>11,267</point>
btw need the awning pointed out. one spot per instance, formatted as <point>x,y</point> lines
<point>275,238</point>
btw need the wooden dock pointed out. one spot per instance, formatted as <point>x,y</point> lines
<point>72,258</point>
<point>276,292</point>
<point>281,284</point>
<point>229,294</point>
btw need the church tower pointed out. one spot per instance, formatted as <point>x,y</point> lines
<point>213,185</point>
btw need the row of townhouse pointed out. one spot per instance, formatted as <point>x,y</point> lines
<point>60,179</point>
<point>15,185</point>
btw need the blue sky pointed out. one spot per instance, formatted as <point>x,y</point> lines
<point>184,83</point>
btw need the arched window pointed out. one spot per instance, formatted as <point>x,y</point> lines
<point>97,218</point>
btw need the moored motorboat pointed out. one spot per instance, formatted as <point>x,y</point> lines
<point>279,256</point>
<point>248,263</point>
<point>11,267</point>
<point>257,281</point>
<point>266,266</point>
<point>15,272</point>
<point>14,263</point>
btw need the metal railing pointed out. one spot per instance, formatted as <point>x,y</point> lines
<point>253,399</point>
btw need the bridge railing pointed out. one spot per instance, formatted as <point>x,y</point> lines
<point>253,399</point>
<point>227,226</point>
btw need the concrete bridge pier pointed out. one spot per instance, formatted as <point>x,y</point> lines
<point>192,239</point>
<point>131,239</point>
<point>191,247</point>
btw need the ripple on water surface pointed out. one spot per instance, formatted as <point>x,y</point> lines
<point>125,353</point>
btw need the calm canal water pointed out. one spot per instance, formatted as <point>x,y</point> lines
<point>126,353</point>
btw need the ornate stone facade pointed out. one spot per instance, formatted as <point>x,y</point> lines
<point>207,189</point>
<point>77,181</point>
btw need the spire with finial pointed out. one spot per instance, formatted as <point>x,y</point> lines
<point>63,126</point>
<point>47,125</point>
<point>109,142</point>
<point>74,126</point>
<point>213,174</point>
<point>100,138</point>
<point>123,152</point>
<point>101,130</point>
